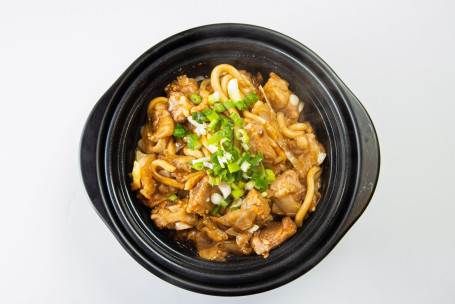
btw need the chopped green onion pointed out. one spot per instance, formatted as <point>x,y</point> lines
<point>173,197</point>
<point>251,99</point>
<point>213,124</point>
<point>237,193</point>
<point>241,185</point>
<point>249,185</point>
<point>213,116</point>
<point>198,166</point>
<point>237,120</point>
<point>228,104</point>
<point>242,135</point>
<point>193,142</point>
<point>233,208</point>
<point>270,175</point>
<point>180,131</point>
<point>215,181</point>
<point>233,167</point>
<point>245,146</point>
<point>241,105</point>
<point>199,117</point>
<point>233,89</point>
<point>224,140</point>
<point>213,98</point>
<point>219,135</point>
<point>256,159</point>
<point>219,107</point>
<point>224,204</point>
<point>245,166</point>
<point>261,184</point>
<point>195,98</point>
<point>215,210</point>
<point>227,124</point>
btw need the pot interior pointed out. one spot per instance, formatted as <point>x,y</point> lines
<point>196,59</point>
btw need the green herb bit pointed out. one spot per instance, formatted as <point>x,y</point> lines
<point>229,104</point>
<point>237,193</point>
<point>219,107</point>
<point>173,197</point>
<point>195,98</point>
<point>215,210</point>
<point>251,99</point>
<point>180,131</point>
<point>193,142</point>
<point>237,120</point>
<point>241,105</point>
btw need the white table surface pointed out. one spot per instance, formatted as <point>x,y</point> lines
<point>58,58</point>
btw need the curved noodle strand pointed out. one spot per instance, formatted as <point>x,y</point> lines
<point>204,84</point>
<point>308,197</point>
<point>226,68</point>
<point>148,146</point>
<point>153,103</point>
<point>162,179</point>
<point>284,129</point>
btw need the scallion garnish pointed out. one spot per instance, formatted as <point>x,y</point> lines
<point>237,193</point>
<point>242,136</point>
<point>172,197</point>
<point>237,120</point>
<point>251,99</point>
<point>241,105</point>
<point>193,142</point>
<point>195,98</point>
<point>219,107</point>
<point>228,104</point>
<point>180,131</point>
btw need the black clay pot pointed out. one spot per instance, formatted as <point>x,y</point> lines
<point>341,123</point>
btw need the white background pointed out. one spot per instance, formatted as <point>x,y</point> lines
<point>57,59</point>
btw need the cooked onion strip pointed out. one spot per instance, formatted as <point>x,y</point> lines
<point>162,179</point>
<point>190,152</point>
<point>170,149</point>
<point>224,83</point>
<point>308,197</point>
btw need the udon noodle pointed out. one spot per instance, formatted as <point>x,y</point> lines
<point>225,164</point>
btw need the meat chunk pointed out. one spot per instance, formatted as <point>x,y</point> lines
<point>213,231</point>
<point>200,198</point>
<point>255,202</point>
<point>161,122</point>
<point>179,106</point>
<point>173,215</point>
<point>207,248</point>
<point>277,91</point>
<point>183,85</point>
<point>287,193</point>
<point>260,142</point>
<point>179,161</point>
<point>255,80</point>
<point>314,155</point>
<point>241,219</point>
<point>272,236</point>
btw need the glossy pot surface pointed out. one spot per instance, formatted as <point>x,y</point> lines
<point>342,125</point>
